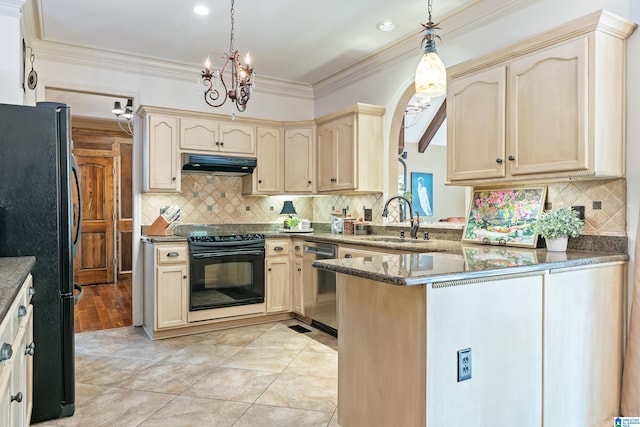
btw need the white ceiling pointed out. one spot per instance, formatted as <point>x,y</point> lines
<point>294,40</point>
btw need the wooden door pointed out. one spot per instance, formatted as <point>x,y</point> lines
<point>345,178</point>
<point>270,159</point>
<point>326,156</point>
<point>94,262</point>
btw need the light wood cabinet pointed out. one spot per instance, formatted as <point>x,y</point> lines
<point>162,160</point>
<point>349,150</point>
<point>297,285</point>
<point>278,275</point>
<point>268,176</point>
<point>549,107</point>
<point>299,159</point>
<point>405,340</point>
<point>166,286</point>
<point>16,361</point>
<point>203,135</point>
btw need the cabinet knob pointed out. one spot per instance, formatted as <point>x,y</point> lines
<point>172,254</point>
<point>499,160</point>
<point>511,158</point>
<point>297,247</point>
<point>259,181</point>
<point>173,178</point>
<point>299,269</point>
<point>278,248</point>
<point>309,181</point>
<point>184,277</point>
<point>22,311</point>
<point>17,397</point>
<point>6,352</point>
<point>217,142</point>
<point>30,349</point>
<point>269,269</point>
<point>348,256</point>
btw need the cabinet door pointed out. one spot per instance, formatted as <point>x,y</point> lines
<point>326,155</point>
<point>269,173</point>
<point>506,367</point>
<point>28,354</point>
<point>345,144</point>
<point>162,146</point>
<point>547,107</point>
<point>298,160</point>
<point>278,284</point>
<point>18,393</point>
<point>5,393</point>
<point>297,304</point>
<point>237,139</point>
<point>201,135</point>
<point>476,125</point>
<point>172,296</point>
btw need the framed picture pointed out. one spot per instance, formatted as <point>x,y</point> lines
<point>504,216</point>
<point>422,193</point>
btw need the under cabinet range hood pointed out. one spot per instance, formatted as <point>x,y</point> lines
<point>218,165</point>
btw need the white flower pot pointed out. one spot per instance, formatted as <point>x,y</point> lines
<point>557,245</point>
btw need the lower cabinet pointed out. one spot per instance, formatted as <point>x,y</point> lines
<point>16,361</point>
<point>166,285</point>
<point>278,275</point>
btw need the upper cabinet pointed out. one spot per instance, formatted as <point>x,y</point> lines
<point>161,159</point>
<point>349,150</point>
<point>219,137</point>
<point>267,178</point>
<point>549,107</point>
<point>299,159</point>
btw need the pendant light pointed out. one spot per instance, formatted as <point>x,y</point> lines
<point>431,74</point>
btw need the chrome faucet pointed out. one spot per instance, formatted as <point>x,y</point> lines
<point>415,222</point>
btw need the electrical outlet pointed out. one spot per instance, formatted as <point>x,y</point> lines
<point>464,364</point>
<point>597,205</point>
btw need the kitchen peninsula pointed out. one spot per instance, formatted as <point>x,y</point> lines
<point>545,333</point>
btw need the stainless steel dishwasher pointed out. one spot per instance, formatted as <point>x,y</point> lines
<point>320,302</point>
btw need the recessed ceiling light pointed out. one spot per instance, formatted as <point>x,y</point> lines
<point>200,9</point>
<point>386,26</point>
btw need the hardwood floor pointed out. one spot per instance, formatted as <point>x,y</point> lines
<point>104,306</point>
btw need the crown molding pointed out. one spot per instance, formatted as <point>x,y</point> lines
<point>160,67</point>
<point>11,8</point>
<point>477,14</point>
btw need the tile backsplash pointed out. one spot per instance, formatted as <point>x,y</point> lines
<point>218,199</point>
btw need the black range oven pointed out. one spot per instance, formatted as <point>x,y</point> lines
<point>226,271</point>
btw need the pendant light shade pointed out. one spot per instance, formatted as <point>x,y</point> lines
<point>431,76</point>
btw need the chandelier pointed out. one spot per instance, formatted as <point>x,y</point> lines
<point>242,77</point>
<point>126,113</point>
<point>431,74</point>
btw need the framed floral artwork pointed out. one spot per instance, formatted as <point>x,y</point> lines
<point>504,216</point>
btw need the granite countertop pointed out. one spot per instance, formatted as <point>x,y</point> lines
<point>13,272</point>
<point>470,262</point>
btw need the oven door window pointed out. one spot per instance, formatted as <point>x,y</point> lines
<point>226,280</point>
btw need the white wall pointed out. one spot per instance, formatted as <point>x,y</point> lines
<point>10,52</point>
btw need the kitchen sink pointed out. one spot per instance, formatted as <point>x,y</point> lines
<point>388,239</point>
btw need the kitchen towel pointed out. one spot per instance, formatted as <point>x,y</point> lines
<point>630,405</point>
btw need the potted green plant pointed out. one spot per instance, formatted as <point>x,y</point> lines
<point>293,222</point>
<point>557,225</point>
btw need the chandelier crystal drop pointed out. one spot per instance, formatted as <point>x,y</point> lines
<point>242,81</point>
<point>431,74</point>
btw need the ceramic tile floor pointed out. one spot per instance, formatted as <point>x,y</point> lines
<point>254,376</point>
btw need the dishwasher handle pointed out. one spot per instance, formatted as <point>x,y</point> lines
<point>319,251</point>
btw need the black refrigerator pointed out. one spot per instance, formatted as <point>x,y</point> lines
<point>40,216</point>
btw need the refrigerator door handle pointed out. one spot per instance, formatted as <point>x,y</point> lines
<point>77,297</point>
<point>78,224</point>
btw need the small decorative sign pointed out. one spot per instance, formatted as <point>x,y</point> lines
<point>504,216</point>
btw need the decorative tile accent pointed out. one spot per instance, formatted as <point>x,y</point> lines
<point>219,200</point>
